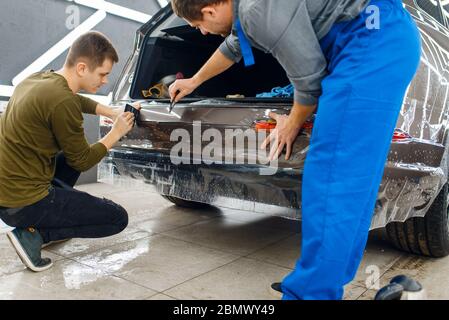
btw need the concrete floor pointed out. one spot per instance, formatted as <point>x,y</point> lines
<point>173,253</point>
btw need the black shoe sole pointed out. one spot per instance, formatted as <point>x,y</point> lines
<point>276,293</point>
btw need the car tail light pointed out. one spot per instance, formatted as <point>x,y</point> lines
<point>400,135</point>
<point>308,125</point>
<point>105,122</point>
<point>264,124</point>
<point>271,124</point>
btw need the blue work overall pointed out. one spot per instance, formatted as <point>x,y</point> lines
<point>369,72</point>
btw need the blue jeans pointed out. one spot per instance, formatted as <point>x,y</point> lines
<point>68,213</point>
<point>369,72</point>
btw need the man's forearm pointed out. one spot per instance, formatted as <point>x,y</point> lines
<point>300,113</point>
<point>110,139</point>
<point>217,64</point>
<point>105,111</point>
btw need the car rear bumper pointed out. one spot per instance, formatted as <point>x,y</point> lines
<point>406,191</point>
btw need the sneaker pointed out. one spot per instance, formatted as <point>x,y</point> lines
<point>276,290</point>
<point>28,243</point>
<point>50,243</point>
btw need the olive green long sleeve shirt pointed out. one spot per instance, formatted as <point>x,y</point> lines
<point>43,117</point>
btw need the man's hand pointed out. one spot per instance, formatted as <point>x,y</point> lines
<point>112,113</point>
<point>123,123</point>
<point>287,129</point>
<point>118,111</point>
<point>283,136</point>
<point>181,88</point>
<point>115,113</point>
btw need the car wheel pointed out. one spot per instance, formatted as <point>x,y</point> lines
<point>186,203</point>
<point>428,236</point>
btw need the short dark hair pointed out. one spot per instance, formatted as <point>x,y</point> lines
<point>95,47</point>
<point>191,9</point>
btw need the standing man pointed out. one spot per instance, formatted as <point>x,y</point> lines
<point>44,117</point>
<point>357,75</point>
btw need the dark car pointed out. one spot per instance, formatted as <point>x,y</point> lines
<point>163,150</point>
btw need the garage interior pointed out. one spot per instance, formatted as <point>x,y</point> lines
<point>169,252</point>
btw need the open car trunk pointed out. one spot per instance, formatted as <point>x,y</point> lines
<point>184,49</point>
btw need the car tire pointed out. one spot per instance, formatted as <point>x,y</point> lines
<point>186,203</point>
<point>427,236</point>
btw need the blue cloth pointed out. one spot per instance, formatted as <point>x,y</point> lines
<point>278,92</point>
<point>369,72</point>
<point>245,46</point>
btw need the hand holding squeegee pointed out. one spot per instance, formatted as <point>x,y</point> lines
<point>133,110</point>
<point>181,88</point>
